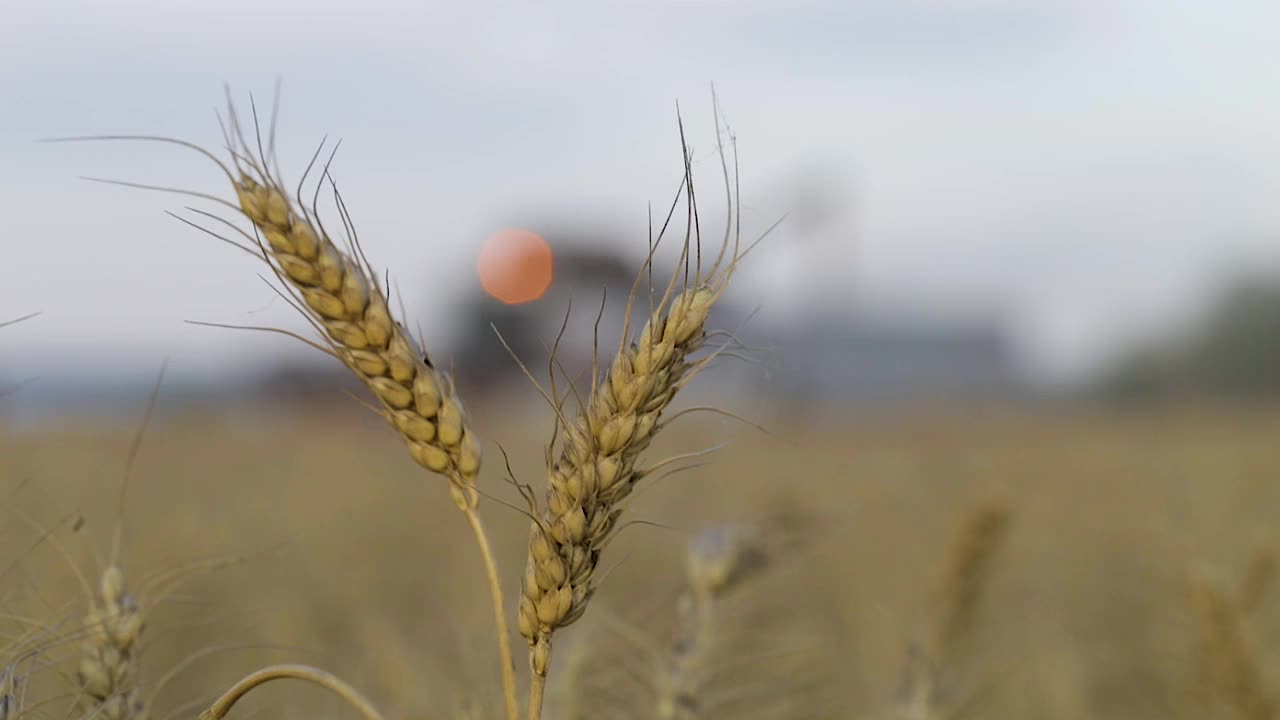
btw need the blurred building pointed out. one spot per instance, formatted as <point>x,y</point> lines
<point>868,361</point>
<point>831,362</point>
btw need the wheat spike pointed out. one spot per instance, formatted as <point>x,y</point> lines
<point>718,559</point>
<point>341,296</point>
<point>347,301</point>
<point>597,470</point>
<point>597,465</point>
<point>338,292</point>
<point>1227,665</point>
<point>965,576</point>
<point>108,672</point>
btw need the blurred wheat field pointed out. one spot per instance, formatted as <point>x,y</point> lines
<point>347,556</point>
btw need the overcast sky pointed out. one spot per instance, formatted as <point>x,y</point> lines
<point>1088,166</point>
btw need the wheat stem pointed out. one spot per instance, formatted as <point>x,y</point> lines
<point>537,685</point>
<point>499,613</point>
<point>223,704</point>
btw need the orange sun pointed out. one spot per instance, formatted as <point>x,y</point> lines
<point>515,266</point>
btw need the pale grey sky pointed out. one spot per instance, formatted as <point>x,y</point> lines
<point>1090,165</point>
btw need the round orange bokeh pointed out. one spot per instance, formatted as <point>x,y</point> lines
<point>515,266</point>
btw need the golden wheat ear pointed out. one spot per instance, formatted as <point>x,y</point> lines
<point>333,285</point>
<point>329,280</point>
<point>597,456</point>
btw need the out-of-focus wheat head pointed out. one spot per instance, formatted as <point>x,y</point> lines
<point>598,460</point>
<point>108,672</point>
<point>718,560</point>
<point>1228,679</point>
<point>926,693</point>
<point>726,643</point>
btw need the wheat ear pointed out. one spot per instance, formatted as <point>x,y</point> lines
<point>968,573</point>
<point>343,296</point>
<point>339,293</point>
<point>965,577</point>
<point>598,459</point>
<point>108,672</point>
<point>718,560</point>
<point>1228,665</point>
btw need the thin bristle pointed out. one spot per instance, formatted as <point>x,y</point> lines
<point>17,320</point>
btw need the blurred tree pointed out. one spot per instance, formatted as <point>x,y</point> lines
<point>1234,354</point>
<point>583,271</point>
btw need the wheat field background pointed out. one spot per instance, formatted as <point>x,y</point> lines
<point>955,398</point>
<point>347,556</point>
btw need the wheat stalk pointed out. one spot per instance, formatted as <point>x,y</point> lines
<point>342,295</point>
<point>598,468</point>
<point>338,291</point>
<point>306,673</point>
